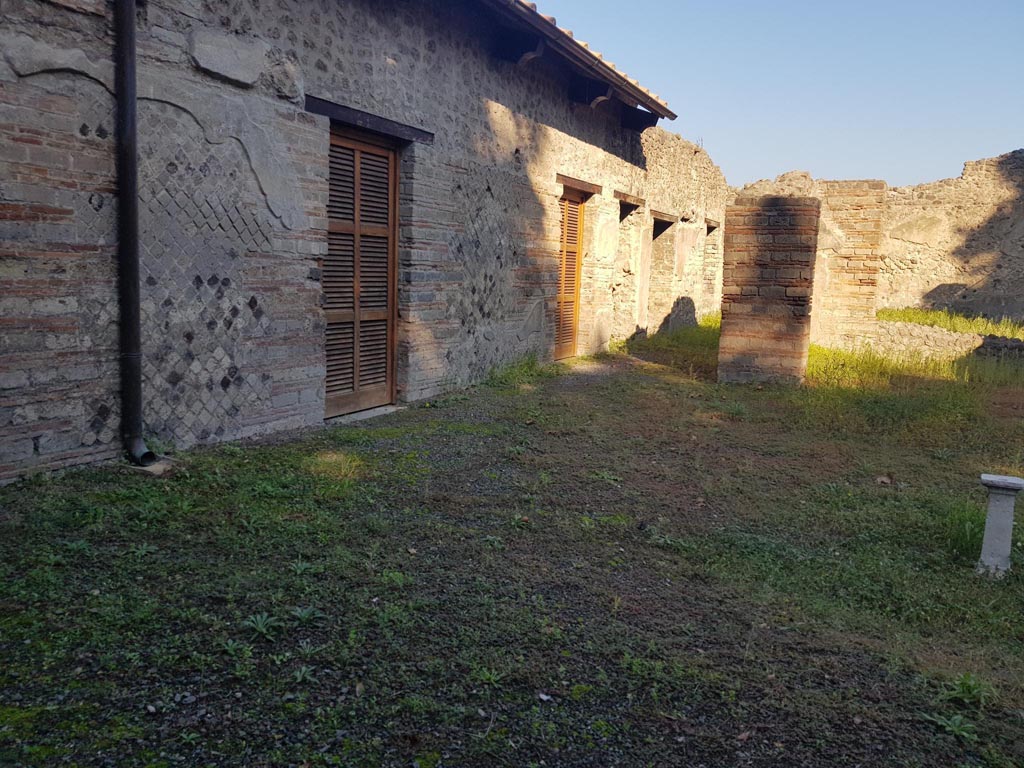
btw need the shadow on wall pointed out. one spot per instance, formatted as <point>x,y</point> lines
<point>682,315</point>
<point>1000,240</point>
<point>508,247</point>
<point>481,293</point>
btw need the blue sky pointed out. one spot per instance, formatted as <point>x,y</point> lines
<point>903,90</point>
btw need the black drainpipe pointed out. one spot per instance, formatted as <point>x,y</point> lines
<point>128,235</point>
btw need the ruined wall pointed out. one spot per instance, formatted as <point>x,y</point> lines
<point>770,249</point>
<point>958,243</point>
<point>693,189</point>
<point>953,244</point>
<point>233,189</point>
<point>911,340</point>
<point>848,253</point>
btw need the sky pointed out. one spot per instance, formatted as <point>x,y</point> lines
<point>903,90</point>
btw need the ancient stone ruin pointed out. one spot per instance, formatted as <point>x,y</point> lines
<point>350,204</point>
<point>955,244</point>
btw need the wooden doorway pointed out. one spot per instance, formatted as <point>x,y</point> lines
<point>567,309</point>
<point>358,273</point>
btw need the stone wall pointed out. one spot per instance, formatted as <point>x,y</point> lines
<point>770,247</point>
<point>953,244</point>
<point>958,243</point>
<point>848,256</point>
<point>233,190</point>
<point>913,340</point>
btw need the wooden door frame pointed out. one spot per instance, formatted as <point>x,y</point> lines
<point>346,136</point>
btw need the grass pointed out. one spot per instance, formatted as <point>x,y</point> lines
<point>628,565</point>
<point>691,348</point>
<point>952,321</point>
<point>868,369</point>
<point>522,373</point>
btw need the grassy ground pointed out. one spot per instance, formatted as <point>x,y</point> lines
<point>619,564</point>
<point>952,321</point>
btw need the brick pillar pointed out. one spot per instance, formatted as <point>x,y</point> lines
<point>769,254</point>
<point>849,259</point>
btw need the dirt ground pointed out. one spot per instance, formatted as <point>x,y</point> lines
<point>617,565</point>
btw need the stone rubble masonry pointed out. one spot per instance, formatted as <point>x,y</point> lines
<point>233,189</point>
<point>958,243</point>
<point>910,340</point>
<point>953,244</point>
<point>770,246</point>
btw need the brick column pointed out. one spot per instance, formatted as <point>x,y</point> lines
<point>769,254</point>
<point>846,277</point>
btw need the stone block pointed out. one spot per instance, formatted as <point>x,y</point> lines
<point>236,59</point>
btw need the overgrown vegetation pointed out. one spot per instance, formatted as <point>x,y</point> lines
<point>953,321</point>
<point>692,348</point>
<point>525,372</point>
<point>628,564</point>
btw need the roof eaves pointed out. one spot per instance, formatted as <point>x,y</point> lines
<point>581,53</point>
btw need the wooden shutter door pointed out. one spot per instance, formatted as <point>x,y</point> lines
<point>358,276</point>
<point>567,305</point>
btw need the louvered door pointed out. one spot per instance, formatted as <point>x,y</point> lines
<point>358,275</point>
<point>567,305</point>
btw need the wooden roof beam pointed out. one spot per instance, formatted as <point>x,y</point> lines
<point>578,184</point>
<point>585,90</point>
<point>635,119</point>
<point>518,47</point>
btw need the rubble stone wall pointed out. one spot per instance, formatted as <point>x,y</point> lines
<point>958,243</point>
<point>233,185</point>
<point>900,339</point>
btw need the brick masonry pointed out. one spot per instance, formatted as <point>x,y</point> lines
<point>770,248</point>
<point>848,262</point>
<point>953,244</point>
<point>233,177</point>
<point>848,253</point>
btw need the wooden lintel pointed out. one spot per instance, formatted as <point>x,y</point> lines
<point>578,184</point>
<point>712,225</point>
<point>367,121</point>
<point>623,197</point>
<point>635,119</point>
<point>668,218</point>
